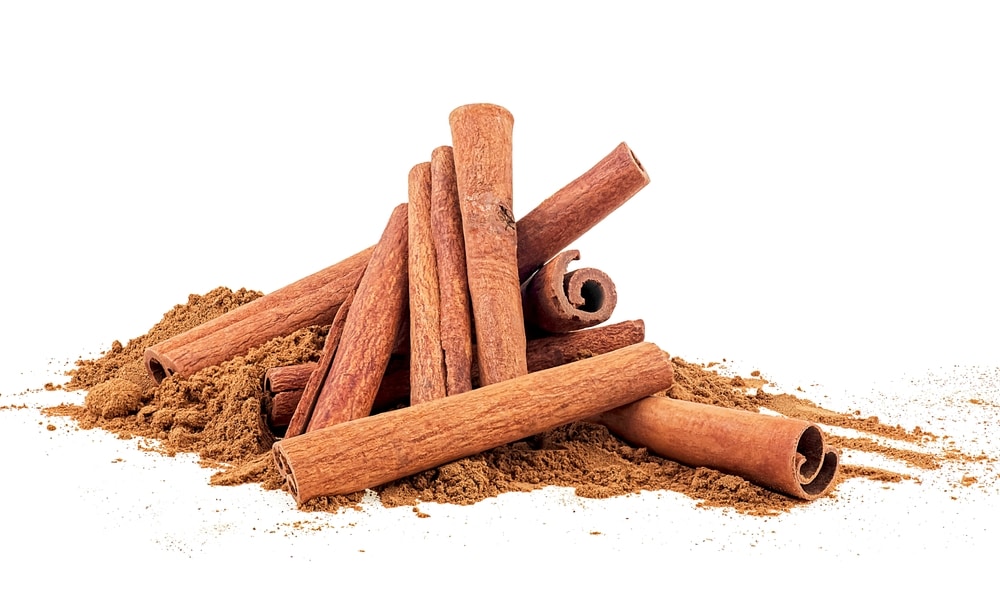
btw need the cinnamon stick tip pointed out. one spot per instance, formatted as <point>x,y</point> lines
<point>817,465</point>
<point>636,161</point>
<point>285,468</point>
<point>158,367</point>
<point>482,109</point>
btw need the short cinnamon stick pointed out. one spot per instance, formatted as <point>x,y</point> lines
<point>356,455</point>
<point>482,147</point>
<point>577,207</point>
<point>449,248</point>
<point>427,373</point>
<point>557,300</point>
<point>370,331</point>
<point>782,454</point>
<point>543,353</point>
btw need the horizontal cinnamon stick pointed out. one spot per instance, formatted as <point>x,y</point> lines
<point>556,300</point>
<point>782,454</point>
<point>313,300</point>
<point>542,353</point>
<point>367,452</point>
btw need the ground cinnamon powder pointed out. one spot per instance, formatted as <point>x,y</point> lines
<point>215,413</point>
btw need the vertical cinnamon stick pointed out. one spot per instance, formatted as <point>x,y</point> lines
<point>449,245</point>
<point>355,455</point>
<point>427,376</point>
<point>577,207</point>
<point>783,454</point>
<point>482,147</point>
<point>556,300</point>
<point>370,331</point>
<point>300,419</point>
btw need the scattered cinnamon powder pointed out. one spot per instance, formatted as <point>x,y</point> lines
<point>215,413</point>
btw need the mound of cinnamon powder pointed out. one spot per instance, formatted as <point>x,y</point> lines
<point>215,413</point>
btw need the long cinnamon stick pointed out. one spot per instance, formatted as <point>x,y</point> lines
<point>427,374</point>
<point>543,353</point>
<point>779,453</point>
<point>541,234</point>
<point>453,281</point>
<point>370,331</point>
<point>312,300</point>
<point>481,143</point>
<point>577,207</point>
<point>556,300</point>
<point>360,454</point>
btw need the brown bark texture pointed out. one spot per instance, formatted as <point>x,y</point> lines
<point>449,248</point>
<point>370,331</point>
<point>356,455</point>
<point>543,353</point>
<point>312,300</point>
<point>556,300</point>
<point>545,231</point>
<point>427,374</point>
<point>782,454</point>
<point>577,207</point>
<point>482,147</point>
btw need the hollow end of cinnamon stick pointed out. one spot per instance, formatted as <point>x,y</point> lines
<point>158,367</point>
<point>816,463</point>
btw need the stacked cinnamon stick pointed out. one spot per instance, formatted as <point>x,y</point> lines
<point>474,324</point>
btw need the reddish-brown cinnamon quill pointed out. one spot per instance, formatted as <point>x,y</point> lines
<point>355,455</point>
<point>557,301</point>
<point>370,331</point>
<point>449,246</point>
<point>481,142</point>
<point>427,375</point>
<point>779,453</point>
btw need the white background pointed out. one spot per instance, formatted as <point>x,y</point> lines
<point>823,175</point>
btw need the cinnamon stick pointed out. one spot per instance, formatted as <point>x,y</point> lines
<point>449,248</point>
<point>543,353</point>
<point>356,455</point>
<point>481,143</point>
<point>370,331</point>
<point>541,234</point>
<point>572,211</point>
<point>556,300</point>
<point>782,454</point>
<point>312,300</point>
<point>427,374</point>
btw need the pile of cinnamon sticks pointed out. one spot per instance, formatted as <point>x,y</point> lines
<point>470,320</point>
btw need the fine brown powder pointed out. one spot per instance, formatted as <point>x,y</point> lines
<point>215,413</point>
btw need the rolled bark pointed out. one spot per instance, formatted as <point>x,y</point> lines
<point>370,331</point>
<point>299,422</point>
<point>556,300</point>
<point>314,300</point>
<point>449,248</point>
<point>482,147</point>
<point>781,454</point>
<point>427,375</point>
<point>361,454</point>
<point>543,353</point>
<point>577,207</point>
